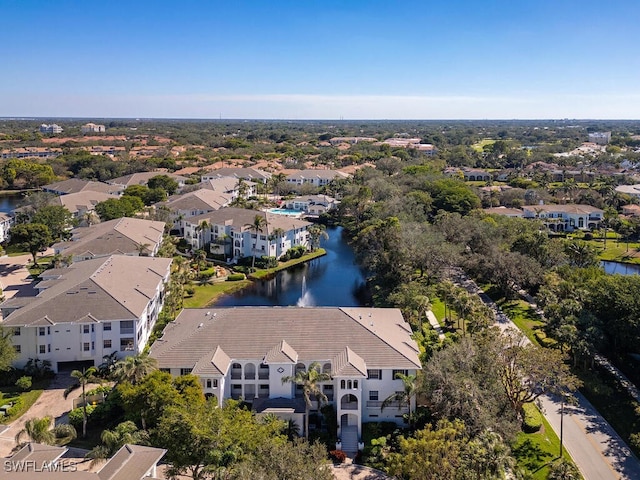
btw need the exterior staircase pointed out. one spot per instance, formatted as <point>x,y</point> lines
<point>349,437</point>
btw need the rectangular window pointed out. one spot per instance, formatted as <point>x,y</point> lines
<point>374,374</point>
<point>396,372</point>
<point>93,345</point>
<point>373,395</point>
<point>16,332</point>
<point>41,331</point>
<point>107,326</point>
<point>209,383</point>
<point>185,371</point>
<point>126,344</point>
<point>215,383</point>
<point>85,346</point>
<point>18,348</point>
<point>106,344</point>
<point>126,326</point>
<point>42,348</point>
<point>85,329</point>
<point>49,348</point>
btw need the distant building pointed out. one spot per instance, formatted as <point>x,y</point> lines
<point>353,140</point>
<point>52,129</point>
<point>414,143</point>
<point>248,174</point>
<point>92,128</point>
<point>601,138</point>
<point>142,178</point>
<point>633,190</point>
<point>30,152</point>
<point>6,222</point>
<point>317,178</point>
<point>565,218</point>
<point>504,211</point>
<point>312,204</point>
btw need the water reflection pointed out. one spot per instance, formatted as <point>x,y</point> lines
<point>331,280</point>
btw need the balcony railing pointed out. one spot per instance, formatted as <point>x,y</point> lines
<point>263,375</point>
<point>349,405</point>
<point>236,375</point>
<point>378,404</point>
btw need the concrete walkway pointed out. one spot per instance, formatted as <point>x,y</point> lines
<point>435,324</point>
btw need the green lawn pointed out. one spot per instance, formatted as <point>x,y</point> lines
<point>260,274</point>
<point>208,293</point>
<point>9,394</point>
<point>479,146</point>
<point>534,451</point>
<point>437,307</point>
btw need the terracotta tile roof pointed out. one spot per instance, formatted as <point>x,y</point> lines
<point>376,337</point>
<point>281,353</point>
<point>348,364</point>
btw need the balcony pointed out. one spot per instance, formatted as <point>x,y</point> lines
<point>236,375</point>
<point>349,405</point>
<point>263,374</point>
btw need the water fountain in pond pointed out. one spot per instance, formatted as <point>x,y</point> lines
<point>305,300</point>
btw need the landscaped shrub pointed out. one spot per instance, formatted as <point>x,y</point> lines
<point>76,416</point>
<point>24,383</point>
<point>338,456</point>
<point>190,291</point>
<point>17,402</point>
<point>588,236</point>
<point>235,277</point>
<point>532,418</point>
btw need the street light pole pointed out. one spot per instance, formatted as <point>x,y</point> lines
<point>561,422</point>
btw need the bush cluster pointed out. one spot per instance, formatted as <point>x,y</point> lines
<point>294,252</point>
<point>532,418</point>
<point>235,277</point>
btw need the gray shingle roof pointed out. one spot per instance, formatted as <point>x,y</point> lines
<point>102,289</point>
<point>75,185</point>
<point>119,236</point>
<point>376,337</point>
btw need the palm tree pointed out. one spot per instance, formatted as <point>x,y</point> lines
<point>113,440</point>
<point>257,226</point>
<point>38,430</point>
<point>405,397</point>
<point>142,248</point>
<point>309,380</point>
<point>317,232</point>
<point>134,368</point>
<point>277,233</point>
<point>85,376</point>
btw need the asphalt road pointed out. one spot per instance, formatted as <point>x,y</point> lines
<point>595,447</point>
<point>597,450</point>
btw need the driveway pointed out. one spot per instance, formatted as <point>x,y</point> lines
<point>51,403</point>
<point>14,276</point>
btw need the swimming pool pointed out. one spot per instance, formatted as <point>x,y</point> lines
<point>286,211</point>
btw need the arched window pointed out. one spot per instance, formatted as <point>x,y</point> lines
<point>349,384</point>
<point>355,384</point>
<point>342,384</point>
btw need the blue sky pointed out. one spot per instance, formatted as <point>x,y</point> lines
<point>321,59</point>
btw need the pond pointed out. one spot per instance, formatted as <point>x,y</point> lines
<point>10,201</point>
<point>620,268</point>
<point>333,280</point>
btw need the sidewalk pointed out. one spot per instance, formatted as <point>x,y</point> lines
<point>597,450</point>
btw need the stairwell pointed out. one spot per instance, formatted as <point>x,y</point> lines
<point>349,437</point>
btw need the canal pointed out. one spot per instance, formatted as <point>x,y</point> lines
<point>333,280</point>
